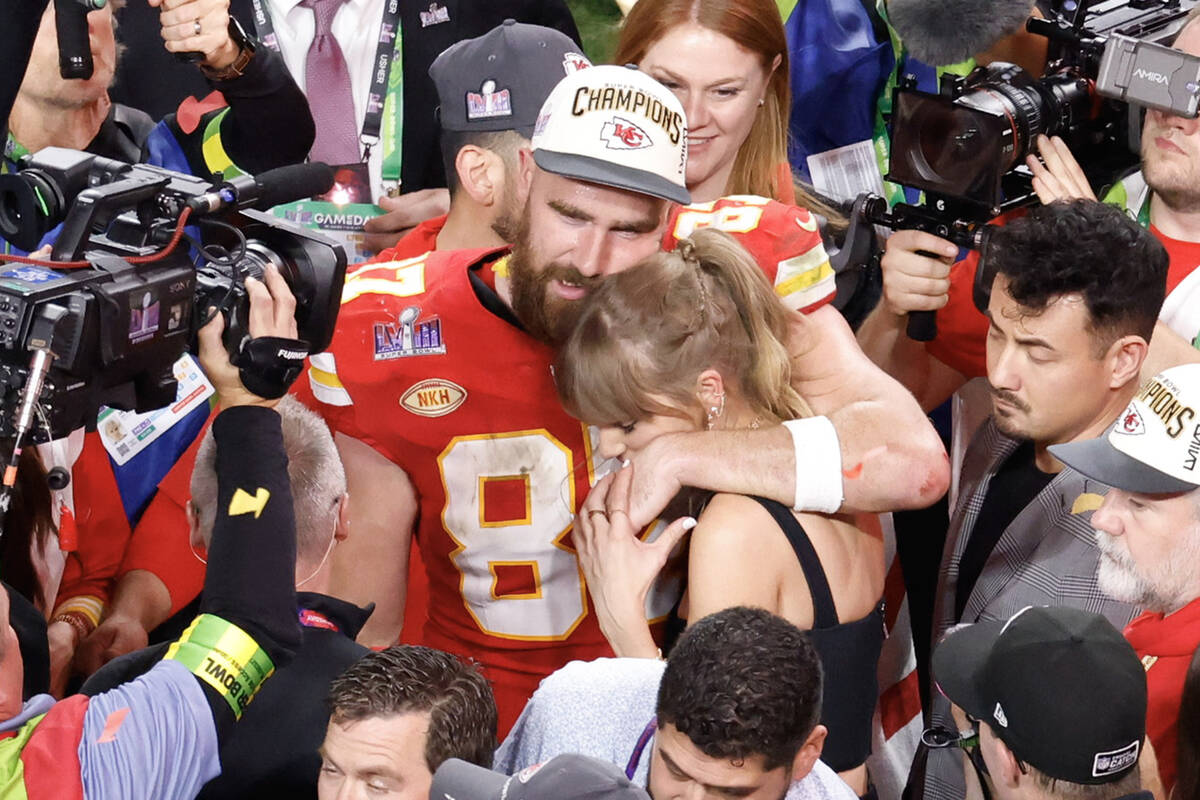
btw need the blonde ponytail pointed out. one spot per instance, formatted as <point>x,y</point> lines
<point>645,335</point>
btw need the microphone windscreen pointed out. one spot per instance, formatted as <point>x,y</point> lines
<point>293,182</point>
<point>942,32</point>
<point>74,49</point>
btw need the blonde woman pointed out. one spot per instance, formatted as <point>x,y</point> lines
<point>690,340</point>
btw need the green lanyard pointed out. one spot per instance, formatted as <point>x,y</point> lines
<point>14,151</point>
<point>393,118</point>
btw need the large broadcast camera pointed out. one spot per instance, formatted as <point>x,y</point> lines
<point>965,148</point>
<point>122,302</point>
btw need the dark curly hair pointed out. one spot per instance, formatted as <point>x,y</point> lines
<point>408,678</point>
<point>1087,248</point>
<point>743,682</point>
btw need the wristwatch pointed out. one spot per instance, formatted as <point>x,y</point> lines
<point>246,47</point>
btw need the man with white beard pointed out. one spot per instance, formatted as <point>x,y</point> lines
<point>1148,531</point>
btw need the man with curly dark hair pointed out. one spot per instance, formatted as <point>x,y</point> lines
<point>1075,289</point>
<point>733,713</point>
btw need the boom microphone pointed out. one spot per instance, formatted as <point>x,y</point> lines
<point>268,189</point>
<point>941,32</point>
<point>74,49</point>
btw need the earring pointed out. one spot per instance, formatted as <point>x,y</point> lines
<point>762,101</point>
<point>714,413</point>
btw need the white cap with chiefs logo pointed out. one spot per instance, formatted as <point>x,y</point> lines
<point>1154,447</point>
<point>617,127</point>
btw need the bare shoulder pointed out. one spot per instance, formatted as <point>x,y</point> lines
<point>732,520</point>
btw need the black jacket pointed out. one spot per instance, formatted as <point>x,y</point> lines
<point>272,751</point>
<point>421,166</point>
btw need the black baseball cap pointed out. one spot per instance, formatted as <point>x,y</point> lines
<point>1059,686</point>
<point>561,778</point>
<point>498,81</point>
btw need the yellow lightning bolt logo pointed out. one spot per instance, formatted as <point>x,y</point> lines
<point>244,503</point>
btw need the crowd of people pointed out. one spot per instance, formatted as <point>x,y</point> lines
<point>600,487</point>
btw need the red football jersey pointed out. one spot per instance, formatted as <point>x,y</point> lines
<point>783,239</point>
<point>464,402</point>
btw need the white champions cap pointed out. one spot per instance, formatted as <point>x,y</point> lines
<point>617,127</point>
<point>1154,447</point>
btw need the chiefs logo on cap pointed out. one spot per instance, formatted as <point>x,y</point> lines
<point>1131,422</point>
<point>621,134</point>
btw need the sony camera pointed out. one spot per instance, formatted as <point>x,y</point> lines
<point>143,254</point>
<point>968,143</point>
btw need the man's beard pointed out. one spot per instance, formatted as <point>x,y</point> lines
<point>547,318</point>
<point>1180,192</point>
<point>1166,591</point>
<point>1007,425</point>
<point>508,224</point>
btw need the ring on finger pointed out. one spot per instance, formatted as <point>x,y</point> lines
<point>196,26</point>
<point>600,511</point>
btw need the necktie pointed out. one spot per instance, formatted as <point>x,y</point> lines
<point>328,88</point>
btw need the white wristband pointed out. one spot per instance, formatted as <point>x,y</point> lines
<point>818,464</point>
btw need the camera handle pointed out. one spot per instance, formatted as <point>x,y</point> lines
<point>922,326</point>
<point>41,340</point>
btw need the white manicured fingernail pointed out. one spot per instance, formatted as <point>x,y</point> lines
<point>625,463</point>
<point>689,523</point>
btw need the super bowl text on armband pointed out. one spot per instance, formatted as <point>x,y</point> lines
<point>632,101</point>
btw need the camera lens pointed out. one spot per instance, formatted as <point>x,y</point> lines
<point>29,207</point>
<point>258,256</point>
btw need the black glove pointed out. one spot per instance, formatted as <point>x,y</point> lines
<point>269,365</point>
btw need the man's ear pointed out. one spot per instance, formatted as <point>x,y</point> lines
<point>476,174</point>
<point>342,529</point>
<point>525,170</point>
<point>1009,772</point>
<point>195,539</point>
<point>1126,356</point>
<point>809,753</point>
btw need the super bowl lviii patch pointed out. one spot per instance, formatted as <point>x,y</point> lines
<point>435,15</point>
<point>489,102</point>
<point>409,336</point>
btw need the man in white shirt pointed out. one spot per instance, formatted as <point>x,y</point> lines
<point>425,30</point>
<point>732,713</point>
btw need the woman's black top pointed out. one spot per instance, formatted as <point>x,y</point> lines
<point>849,654</point>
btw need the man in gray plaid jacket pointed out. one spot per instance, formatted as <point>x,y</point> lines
<point>1075,291</point>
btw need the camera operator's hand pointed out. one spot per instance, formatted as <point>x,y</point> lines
<point>272,314</point>
<point>1057,175</point>
<point>115,636</point>
<point>913,280</point>
<point>62,639</point>
<point>402,214</point>
<point>198,26</point>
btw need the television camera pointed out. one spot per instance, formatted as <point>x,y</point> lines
<point>965,147</point>
<point>104,321</point>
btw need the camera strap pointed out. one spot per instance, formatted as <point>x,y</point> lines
<point>269,365</point>
<point>384,120</point>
